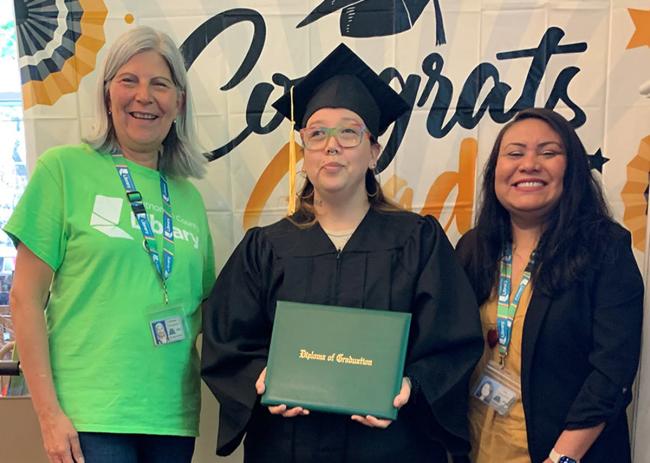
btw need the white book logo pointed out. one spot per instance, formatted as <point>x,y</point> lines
<point>106,216</point>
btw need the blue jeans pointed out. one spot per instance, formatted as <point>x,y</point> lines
<point>100,447</point>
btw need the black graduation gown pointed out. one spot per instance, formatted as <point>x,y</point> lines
<point>393,261</point>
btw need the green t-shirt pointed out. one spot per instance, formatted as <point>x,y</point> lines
<point>109,374</point>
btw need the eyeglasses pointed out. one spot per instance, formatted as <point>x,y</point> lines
<point>316,138</point>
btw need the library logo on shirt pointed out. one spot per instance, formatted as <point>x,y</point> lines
<point>106,217</point>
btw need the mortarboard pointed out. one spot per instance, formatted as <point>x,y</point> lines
<point>343,80</point>
<point>340,80</point>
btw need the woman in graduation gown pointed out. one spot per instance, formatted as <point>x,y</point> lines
<point>346,245</point>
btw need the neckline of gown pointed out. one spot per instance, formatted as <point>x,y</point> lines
<point>373,233</point>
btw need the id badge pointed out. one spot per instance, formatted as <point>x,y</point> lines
<point>167,324</point>
<point>497,389</point>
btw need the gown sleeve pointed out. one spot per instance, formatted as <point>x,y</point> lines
<point>446,339</point>
<point>236,336</point>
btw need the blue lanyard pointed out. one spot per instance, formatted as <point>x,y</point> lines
<point>507,309</point>
<point>135,199</point>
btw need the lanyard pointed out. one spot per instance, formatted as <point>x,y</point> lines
<point>150,244</point>
<point>506,309</point>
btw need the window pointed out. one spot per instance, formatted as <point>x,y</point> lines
<point>13,170</point>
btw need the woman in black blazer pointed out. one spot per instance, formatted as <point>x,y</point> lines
<point>563,348</point>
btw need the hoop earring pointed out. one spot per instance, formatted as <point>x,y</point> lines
<point>375,181</point>
<point>304,196</point>
<point>374,193</point>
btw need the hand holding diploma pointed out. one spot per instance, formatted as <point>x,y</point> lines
<point>260,387</point>
<point>400,400</point>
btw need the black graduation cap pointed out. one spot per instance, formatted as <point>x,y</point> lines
<point>343,80</point>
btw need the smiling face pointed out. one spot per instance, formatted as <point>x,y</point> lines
<point>144,102</point>
<point>530,170</point>
<point>334,170</point>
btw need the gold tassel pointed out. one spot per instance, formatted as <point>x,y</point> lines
<point>291,209</point>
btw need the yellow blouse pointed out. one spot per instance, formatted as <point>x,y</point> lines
<point>496,438</point>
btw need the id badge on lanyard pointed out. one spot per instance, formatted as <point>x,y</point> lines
<point>506,309</point>
<point>497,387</point>
<point>166,322</point>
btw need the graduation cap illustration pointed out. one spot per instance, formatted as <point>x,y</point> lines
<point>372,18</point>
<point>341,80</point>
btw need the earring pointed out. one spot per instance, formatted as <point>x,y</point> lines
<point>304,196</point>
<point>374,193</point>
<point>374,180</point>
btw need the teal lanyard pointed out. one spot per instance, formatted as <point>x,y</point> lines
<point>135,199</point>
<point>507,309</point>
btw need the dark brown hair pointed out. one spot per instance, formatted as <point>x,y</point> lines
<point>570,241</point>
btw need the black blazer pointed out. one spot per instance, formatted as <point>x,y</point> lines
<point>580,352</point>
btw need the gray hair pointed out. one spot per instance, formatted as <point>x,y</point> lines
<point>181,155</point>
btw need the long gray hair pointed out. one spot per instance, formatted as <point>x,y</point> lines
<point>180,155</point>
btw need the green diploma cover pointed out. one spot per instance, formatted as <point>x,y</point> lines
<point>336,359</point>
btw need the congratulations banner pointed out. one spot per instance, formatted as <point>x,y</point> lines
<point>465,66</point>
